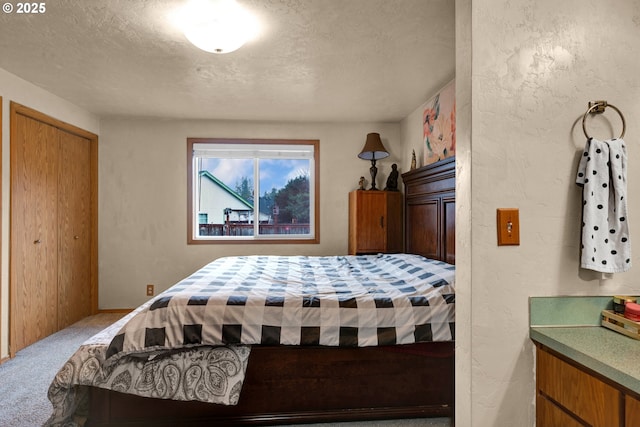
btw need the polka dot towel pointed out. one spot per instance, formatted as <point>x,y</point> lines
<point>605,227</point>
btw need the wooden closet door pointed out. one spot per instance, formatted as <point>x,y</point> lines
<point>34,230</point>
<point>74,226</point>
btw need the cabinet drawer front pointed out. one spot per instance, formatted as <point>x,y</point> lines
<point>430,187</point>
<point>632,411</point>
<point>550,415</point>
<point>587,397</point>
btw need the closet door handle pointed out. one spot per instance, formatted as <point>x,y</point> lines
<point>35,242</point>
<point>76,237</point>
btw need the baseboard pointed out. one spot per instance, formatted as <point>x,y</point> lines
<point>116,310</point>
<point>4,359</point>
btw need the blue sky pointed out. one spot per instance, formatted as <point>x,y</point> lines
<point>273,173</point>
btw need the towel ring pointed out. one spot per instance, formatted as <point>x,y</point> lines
<point>598,107</point>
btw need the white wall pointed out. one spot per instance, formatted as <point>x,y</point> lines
<point>143,194</point>
<point>464,206</point>
<point>13,88</point>
<point>533,68</point>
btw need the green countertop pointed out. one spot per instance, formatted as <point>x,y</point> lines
<point>602,350</point>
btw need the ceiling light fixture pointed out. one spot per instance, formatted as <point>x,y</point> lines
<point>217,26</point>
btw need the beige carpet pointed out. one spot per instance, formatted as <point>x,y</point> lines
<point>25,379</point>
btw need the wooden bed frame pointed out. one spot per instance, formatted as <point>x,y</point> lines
<point>288,385</point>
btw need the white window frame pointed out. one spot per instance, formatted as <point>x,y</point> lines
<point>255,149</point>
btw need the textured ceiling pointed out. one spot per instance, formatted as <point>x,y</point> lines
<point>315,60</point>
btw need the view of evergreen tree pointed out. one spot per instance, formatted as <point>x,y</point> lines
<point>266,201</point>
<point>293,201</point>
<point>244,188</point>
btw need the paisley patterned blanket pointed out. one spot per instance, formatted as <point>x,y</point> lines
<point>204,373</point>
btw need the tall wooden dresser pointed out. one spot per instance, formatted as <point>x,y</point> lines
<point>375,222</point>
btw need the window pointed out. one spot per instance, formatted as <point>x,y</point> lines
<point>262,191</point>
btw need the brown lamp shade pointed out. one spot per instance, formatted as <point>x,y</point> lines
<point>373,148</point>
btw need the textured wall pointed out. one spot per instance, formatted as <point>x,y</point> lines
<point>464,206</point>
<point>143,222</point>
<point>534,67</point>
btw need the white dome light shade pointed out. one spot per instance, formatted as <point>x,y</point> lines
<point>217,26</point>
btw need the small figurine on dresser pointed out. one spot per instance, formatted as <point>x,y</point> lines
<point>413,159</point>
<point>361,183</point>
<point>392,180</point>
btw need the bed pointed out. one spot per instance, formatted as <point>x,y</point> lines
<point>170,362</point>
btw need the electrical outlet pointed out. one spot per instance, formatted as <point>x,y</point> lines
<point>150,290</point>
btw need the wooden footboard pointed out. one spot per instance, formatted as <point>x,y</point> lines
<point>286,385</point>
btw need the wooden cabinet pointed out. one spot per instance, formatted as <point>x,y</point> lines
<point>53,268</point>
<point>549,414</point>
<point>571,390</point>
<point>632,411</point>
<point>568,394</point>
<point>430,211</point>
<point>375,222</point>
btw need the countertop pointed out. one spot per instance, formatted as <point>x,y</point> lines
<point>613,355</point>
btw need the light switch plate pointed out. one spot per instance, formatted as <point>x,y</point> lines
<point>508,226</point>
